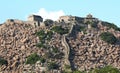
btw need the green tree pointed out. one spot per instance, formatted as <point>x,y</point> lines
<point>48,22</point>
<point>49,35</point>
<point>52,65</point>
<point>42,60</point>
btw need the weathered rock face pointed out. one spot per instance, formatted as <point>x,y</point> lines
<point>90,52</point>
<point>17,42</point>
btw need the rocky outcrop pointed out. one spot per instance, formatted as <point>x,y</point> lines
<point>91,52</point>
<point>85,51</point>
<point>17,42</point>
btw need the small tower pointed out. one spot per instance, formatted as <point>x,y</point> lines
<point>36,19</point>
<point>89,16</point>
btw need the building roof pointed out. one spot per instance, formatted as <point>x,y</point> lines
<point>35,16</point>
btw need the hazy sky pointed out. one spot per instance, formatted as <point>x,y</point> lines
<point>107,10</point>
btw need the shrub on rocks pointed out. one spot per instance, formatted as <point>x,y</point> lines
<point>60,30</point>
<point>108,37</point>
<point>33,58</point>
<point>52,65</point>
<point>3,61</point>
<point>107,69</point>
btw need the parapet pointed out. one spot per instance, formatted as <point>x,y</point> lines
<point>14,21</point>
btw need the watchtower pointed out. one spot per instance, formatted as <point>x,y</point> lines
<point>36,19</point>
<point>90,18</point>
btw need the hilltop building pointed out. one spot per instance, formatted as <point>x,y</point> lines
<point>68,19</point>
<point>35,19</point>
<point>90,18</point>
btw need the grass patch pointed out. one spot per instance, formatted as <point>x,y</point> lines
<point>107,69</point>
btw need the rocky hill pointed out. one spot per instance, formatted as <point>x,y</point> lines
<point>71,43</point>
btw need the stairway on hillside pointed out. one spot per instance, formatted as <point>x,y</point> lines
<point>67,47</point>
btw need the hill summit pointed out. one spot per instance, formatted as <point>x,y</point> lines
<point>71,43</point>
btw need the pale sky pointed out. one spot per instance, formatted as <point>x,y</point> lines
<point>107,10</point>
